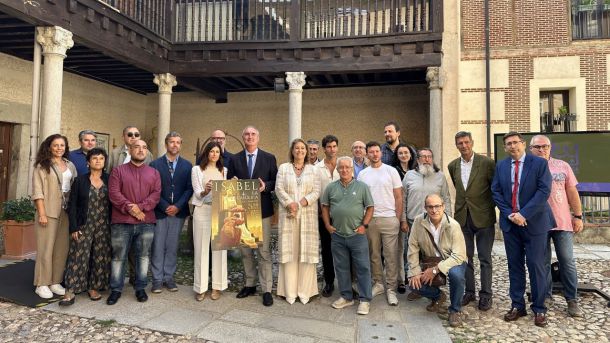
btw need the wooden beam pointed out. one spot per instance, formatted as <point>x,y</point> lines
<point>199,85</point>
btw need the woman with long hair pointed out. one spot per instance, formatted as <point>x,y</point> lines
<point>297,187</point>
<point>405,159</point>
<point>210,168</point>
<point>52,180</point>
<point>88,267</point>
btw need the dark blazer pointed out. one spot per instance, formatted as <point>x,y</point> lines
<point>180,184</point>
<point>477,197</point>
<point>265,168</point>
<point>79,201</point>
<point>534,190</point>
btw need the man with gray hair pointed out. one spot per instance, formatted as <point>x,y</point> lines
<point>350,205</point>
<point>313,146</point>
<point>567,210</point>
<point>171,211</point>
<point>88,141</point>
<point>120,155</point>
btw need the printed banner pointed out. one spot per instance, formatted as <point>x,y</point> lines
<point>236,214</point>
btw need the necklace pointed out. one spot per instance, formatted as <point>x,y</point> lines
<point>297,168</point>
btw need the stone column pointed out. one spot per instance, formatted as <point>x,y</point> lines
<point>435,84</point>
<point>296,81</point>
<point>55,41</point>
<point>165,82</point>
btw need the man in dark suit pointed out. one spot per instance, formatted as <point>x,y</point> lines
<point>472,175</point>
<point>254,163</point>
<point>171,211</point>
<point>521,188</point>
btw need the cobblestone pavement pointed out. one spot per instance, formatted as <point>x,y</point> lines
<point>22,324</point>
<point>490,326</point>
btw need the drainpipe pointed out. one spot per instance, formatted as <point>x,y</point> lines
<point>487,80</point>
<point>35,112</point>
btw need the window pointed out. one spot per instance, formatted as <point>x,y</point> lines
<point>590,19</point>
<point>555,113</point>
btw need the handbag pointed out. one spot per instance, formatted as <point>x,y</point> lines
<point>432,261</point>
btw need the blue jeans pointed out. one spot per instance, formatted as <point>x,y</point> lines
<point>354,249</point>
<point>165,249</point>
<point>457,282</point>
<point>125,237</point>
<point>564,248</point>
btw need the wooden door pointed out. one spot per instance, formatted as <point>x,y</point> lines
<point>5,159</point>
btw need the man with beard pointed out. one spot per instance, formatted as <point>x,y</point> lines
<point>391,131</point>
<point>87,140</point>
<point>134,190</point>
<point>417,185</point>
<point>384,183</point>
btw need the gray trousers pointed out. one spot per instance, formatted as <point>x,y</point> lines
<point>165,248</point>
<point>265,273</point>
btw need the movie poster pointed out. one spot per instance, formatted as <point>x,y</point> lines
<point>236,214</point>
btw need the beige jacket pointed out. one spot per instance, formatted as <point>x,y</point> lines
<point>46,186</point>
<point>452,245</point>
<point>119,154</point>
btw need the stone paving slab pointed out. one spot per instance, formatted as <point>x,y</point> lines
<point>179,321</point>
<point>381,331</point>
<point>228,332</point>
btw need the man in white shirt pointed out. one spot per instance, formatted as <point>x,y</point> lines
<point>386,188</point>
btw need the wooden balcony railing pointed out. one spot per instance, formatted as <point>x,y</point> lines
<point>281,20</point>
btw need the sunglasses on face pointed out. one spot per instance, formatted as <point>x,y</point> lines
<point>133,134</point>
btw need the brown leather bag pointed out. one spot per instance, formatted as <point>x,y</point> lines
<point>432,261</point>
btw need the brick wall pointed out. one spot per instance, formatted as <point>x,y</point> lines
<point>521,30</point>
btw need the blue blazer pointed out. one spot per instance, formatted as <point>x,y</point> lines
<point>180,184</point>
<point>534,190</point>
<point>265,168</point>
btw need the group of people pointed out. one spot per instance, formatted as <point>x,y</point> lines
<point>381,220</point>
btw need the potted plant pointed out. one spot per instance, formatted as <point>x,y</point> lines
<point>18,221</point>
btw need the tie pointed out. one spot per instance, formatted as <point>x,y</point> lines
<point>170,164</point>
<point>250,165</point>
<point>515,187</point>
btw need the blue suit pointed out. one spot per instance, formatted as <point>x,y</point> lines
<point>526,243</point>
<point>177,191</point>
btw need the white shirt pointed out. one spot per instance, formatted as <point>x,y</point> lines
<point>436,233</point>
<point>326,176</point>
<point>466,168</point>
<point>382,182</point>
<point>66,176</point>
<point>199,178</point>
<point>128,158</point>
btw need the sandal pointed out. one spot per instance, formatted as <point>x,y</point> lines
<point>94,295</point>
<point>67,299</point>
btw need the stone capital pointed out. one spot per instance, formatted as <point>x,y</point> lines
<point>295,80</point>
<point>165,82</point>
<point>54,40</point>
<point>434,76</point>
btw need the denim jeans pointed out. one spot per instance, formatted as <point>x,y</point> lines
<point>564,248</point>
<point>126,237</point>
<point>165,249</point>
<point>354,249</point>
<point>456,288</point>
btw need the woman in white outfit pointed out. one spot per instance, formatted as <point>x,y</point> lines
<point>210,168</point>
<point>298,188</point>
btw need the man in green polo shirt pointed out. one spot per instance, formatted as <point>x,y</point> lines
<point>350,205</point>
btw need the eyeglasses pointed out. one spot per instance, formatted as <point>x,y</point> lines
<point>512,143</point>
<point>425,156</point>
<point>219,138</point>
<point>541,147</point>
<point>433,207</point>
<point>133,134</point>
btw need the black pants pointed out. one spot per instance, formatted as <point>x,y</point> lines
<point>485,241</point>
<point>327,255</point>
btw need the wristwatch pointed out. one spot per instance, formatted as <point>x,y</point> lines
<point>578,217</point>
<point>366,226</point>
<point>434,271</point>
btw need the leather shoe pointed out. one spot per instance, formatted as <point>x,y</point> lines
<point>246,291</point>
<point>515,314</point>
<point>540,320</point>
<point>328,289</point>
<point>141,295</point>
<point>485,304</point>
<point>402,289</point>
<point>467,298</point>
<point>267,299</point>
<point>113,298</point>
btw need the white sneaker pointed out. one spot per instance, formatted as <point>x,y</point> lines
<point>342,302</point>
<point>377,289</point>
<point>57,289</point>
<point>44,292</point>
<point>363,307</point>
<point>392,299</point>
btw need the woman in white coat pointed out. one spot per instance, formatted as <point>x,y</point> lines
<point>298,188</point>
<point>210,168</point>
